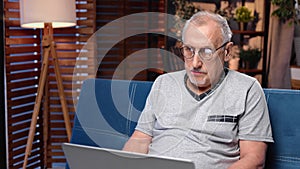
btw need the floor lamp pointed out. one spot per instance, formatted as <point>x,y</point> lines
<point>47,14</point>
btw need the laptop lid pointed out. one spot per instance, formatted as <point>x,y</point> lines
<point>81,156</point>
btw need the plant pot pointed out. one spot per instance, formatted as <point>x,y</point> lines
<point>245,64</point>
<point>243,26</point>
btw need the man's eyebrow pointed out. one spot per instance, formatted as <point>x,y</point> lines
<point>190,46</point>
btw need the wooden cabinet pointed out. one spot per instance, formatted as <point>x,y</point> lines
<point>263,33</point>
<point>248,34</point>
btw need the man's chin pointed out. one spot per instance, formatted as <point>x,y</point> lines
<point>199,83</point>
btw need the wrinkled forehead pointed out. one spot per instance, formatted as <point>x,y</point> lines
<point>206,34</point>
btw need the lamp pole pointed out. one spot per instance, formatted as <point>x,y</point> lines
<point>48,48</point>
<point>47,14</point>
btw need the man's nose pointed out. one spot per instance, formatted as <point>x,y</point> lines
<point>197,62</point>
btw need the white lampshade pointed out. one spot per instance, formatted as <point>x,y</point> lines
<point>34,13</point>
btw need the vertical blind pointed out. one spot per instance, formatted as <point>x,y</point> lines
<point>2,95</point>
<point>23,56</point>
<point>23,64</point>
<point>110,10</point>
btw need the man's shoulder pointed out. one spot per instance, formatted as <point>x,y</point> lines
<point>171,78</point>
<point>177,75</point>
<point>240,81</point>
<point>236,76</point>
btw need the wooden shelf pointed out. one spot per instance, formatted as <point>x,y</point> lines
<point>250,72</point>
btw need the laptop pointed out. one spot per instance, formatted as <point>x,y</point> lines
<point>81,156</point>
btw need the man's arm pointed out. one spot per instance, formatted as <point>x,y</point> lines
<point>138,142</point>
<point>252,155</point>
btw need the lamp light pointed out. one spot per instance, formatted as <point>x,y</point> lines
<point>34,13</point>
<point>47,14</point>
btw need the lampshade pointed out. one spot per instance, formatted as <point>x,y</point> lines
<point>34,13</point>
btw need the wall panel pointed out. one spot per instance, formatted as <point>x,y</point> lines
<point>23,56</point>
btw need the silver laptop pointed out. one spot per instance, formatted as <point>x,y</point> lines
<point>80,156</point>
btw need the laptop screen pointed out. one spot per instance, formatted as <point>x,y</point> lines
<point>80,156</point>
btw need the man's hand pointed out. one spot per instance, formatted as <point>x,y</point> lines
<point>252,155</point>
<point>139,142</point>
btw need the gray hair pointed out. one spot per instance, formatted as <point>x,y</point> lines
<point>200,18</point>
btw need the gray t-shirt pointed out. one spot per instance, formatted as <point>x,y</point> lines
<point>205,131</point>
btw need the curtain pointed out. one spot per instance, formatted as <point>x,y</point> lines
<point>279,51</point>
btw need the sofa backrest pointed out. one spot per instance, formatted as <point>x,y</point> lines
<point>284,108</point>
<point>98,121</point>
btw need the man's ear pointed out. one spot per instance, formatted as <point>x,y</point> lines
<point>228,51</point>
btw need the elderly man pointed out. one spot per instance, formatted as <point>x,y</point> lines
<point>207,113</point>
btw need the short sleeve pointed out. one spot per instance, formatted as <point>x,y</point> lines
<point>147,118</point>
<point>254,123</point>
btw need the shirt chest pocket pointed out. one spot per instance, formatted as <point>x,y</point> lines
<point>222,122</point>
<point>221,128</point>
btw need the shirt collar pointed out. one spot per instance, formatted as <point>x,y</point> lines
<point>203,95</point>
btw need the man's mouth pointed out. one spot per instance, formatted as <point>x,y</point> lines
<point>197,72</point>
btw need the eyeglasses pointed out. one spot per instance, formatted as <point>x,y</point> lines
<point>204,53</point>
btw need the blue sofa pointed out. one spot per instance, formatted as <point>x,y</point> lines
<point>98,120</point>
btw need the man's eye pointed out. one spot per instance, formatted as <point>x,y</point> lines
<point>187,48</point>
<point>207,51</point>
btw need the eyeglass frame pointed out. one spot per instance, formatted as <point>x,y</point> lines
<point>204,58</point>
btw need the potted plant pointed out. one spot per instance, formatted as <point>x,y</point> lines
<point>285,11</point>
<point>243,16</point>
<point>249,58</point>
